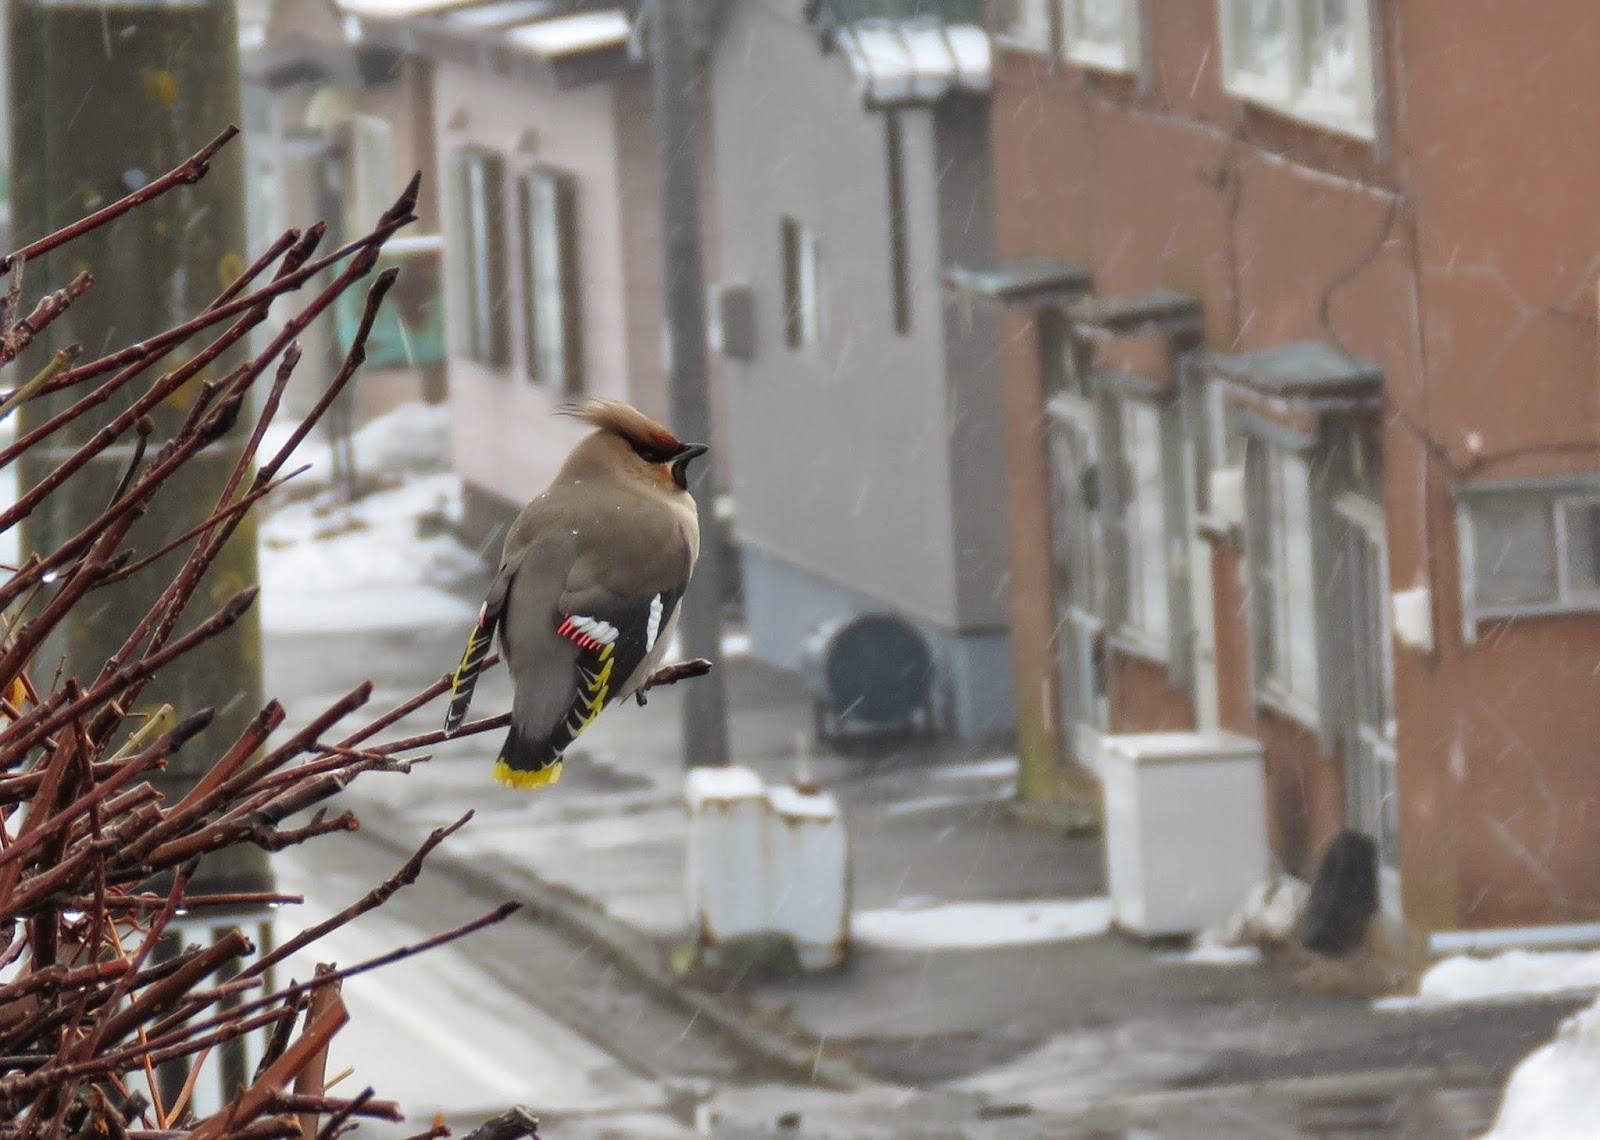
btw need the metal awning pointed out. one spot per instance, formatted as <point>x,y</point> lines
<point>573,35</point>
<point>914,61</point>
<point>1160,311</point>
<point>1031,279</point>
<point>573,41</point>
<point>1309,374</point>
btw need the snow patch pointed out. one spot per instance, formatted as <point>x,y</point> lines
<point>976,925</point>
<point>411,438</point>
<point>1551,1094</point>
<point>365,567</point>
<point>1502,977</point>
<point>383,562</point>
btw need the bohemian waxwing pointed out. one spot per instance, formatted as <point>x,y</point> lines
<point>586,596</point>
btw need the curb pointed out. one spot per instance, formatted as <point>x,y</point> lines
<point>797,1056</point>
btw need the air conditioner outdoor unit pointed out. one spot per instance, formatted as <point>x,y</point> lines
<point>1185,828</point>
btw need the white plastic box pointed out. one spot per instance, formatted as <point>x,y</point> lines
<point>767,861</point>
<point>1185,828</point>
<point>726,879</point>
<point>808,874</point>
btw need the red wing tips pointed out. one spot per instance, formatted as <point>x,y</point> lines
<point>587,633</point>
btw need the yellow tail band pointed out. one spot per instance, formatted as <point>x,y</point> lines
<point>539,777</point>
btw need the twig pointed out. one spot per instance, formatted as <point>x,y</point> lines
<point>187,174</point>
<point>513,1124</point>
<point>374,898</point>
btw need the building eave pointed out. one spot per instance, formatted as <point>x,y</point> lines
<point>1305,375</point>
<point>1028,280</point>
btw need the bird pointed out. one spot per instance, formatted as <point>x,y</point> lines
<point>588,589</point>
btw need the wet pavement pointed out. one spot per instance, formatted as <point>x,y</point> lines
<point>1101,1036</point>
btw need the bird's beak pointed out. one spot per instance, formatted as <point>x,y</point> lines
<point>680,463</point>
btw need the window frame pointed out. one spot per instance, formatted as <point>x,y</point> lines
<point>562,225</point>
<point>803,291</point>
<point>1294,97</point>
<point>1029,26</point>
<point>1092,53</point>
<point>1553,496</point>
<point>1271,580</point>
<point>1145,620</point>
<point>485,338</point>
<point>1113,392</point>
<point>374,186</point>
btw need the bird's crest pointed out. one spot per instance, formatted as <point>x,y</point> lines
<point>628,422</point>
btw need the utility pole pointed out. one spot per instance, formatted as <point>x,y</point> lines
<point>705,706</point>
<point>105,97</point>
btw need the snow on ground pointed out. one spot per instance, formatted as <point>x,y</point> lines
<point>413,437</point>
<point>382,562</point>
<point>975,925</point>
<point>1551,1094</point>
<point>1267,917</point>
<point>364,567</point>
<point>1503,977</point>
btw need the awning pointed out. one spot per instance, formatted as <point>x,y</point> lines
<point>1030,279</point>
<point>575,42</point>
<point>916,61</point>
<point>1309,374</point>
<point>1160,311</point>
<point>573,35</point>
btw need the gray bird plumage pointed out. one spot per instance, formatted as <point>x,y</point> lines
<point>585,598</point>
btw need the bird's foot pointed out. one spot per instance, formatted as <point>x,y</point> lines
<point>672,674</point>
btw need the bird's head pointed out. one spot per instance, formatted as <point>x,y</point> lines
<point>638,441</point>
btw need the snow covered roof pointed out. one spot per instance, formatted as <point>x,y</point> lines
<point>391,9</point>
<point>544,29</point>
<point>914,61</point>
<point>566,35</point>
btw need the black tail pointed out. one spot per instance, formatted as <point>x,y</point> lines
<point>466,675</point>
<point>524,763</point>
<point>1344,896</point>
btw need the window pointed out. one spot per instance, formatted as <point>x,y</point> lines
<point>1529,549</point>
<point>1309,58</point>
<point>1283,575</point>
<point>899,249</point>
<point>483,274</point>
<point>1025,24</point>
<point>372,166</point>
<point>1143,526</point>
<point>802,284</point>
<point>551,329</point>
<point>1102,33</point>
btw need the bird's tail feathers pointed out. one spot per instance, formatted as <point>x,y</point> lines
<point>525,763</point>
<point>465,678</point>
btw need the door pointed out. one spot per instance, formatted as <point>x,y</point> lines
<point>1371,799</point>
<point>1077,552</point>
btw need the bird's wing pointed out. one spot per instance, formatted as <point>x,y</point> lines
<point>524,537</point>
<point>615,615</point>
<point>614,638</point>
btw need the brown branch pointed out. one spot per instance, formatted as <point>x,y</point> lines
<point>438,736</point>
<point>20,335</point>
<point>309,1081</point>
<point>513,1124</point>
<point>373,899</point>
<point>186,174</point>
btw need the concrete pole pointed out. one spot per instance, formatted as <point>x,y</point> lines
<point>705,714</point>
<point>105,96</point>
